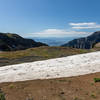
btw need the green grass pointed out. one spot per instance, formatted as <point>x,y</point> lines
<point>96,79</point>
<point>11,86</point>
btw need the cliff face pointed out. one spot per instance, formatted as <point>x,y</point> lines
<point>10,42</point>
<point>84,43</point>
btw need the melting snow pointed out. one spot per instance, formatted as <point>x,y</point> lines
<point>54,68</point>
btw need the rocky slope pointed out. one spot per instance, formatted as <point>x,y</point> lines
<point>86,42</point>
<point>10,42</point>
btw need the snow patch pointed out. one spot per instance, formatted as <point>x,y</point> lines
<point>53,68</point>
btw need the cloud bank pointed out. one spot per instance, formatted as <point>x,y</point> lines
<point>91,25</point>
<point>57,33</point>
<point>76,29</point>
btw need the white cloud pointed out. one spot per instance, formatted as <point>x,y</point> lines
<point>81,24</point>
<point>91,25</point>
<point>56,33</point>
<point>71,32</point>
<point>88,27</point>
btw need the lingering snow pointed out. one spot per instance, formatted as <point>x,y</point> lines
<point>54,68</point>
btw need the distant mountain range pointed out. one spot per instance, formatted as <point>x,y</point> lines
<point>86,42</point>
<point>53,41</point>
<point>10,42</point>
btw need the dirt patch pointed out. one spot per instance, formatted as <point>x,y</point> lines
<point>73,88</point>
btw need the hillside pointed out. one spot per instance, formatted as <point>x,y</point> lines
<point>38,53</point>
<point>11,42</point>
<point>80,87</point>
<point>86,42</point>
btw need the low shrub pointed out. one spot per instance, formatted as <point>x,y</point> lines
<point>2,95</point>
<point>96,79</point>
<point>93,95</point>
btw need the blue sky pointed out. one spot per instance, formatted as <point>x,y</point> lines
<point>49,18</point>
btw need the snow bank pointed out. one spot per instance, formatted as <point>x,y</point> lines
<point>53,68</point>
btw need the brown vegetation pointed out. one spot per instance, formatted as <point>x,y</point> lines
<point>36,54</point>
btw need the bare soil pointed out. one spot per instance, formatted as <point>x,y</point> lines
<point>72,88</point>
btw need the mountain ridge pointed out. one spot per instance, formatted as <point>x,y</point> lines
<point>12,42</point>
<point>84,43</point>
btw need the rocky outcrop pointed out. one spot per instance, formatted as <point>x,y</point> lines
<point>10,42</point>
<point>86,42</point>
